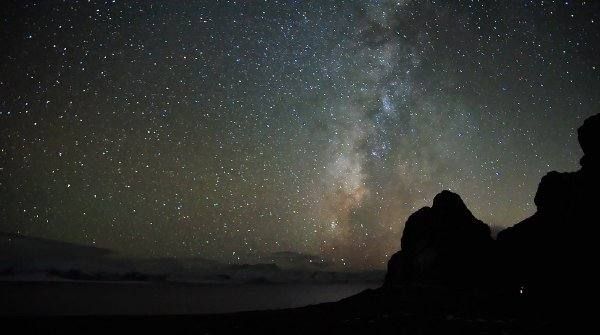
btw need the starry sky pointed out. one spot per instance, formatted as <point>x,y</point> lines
<point>232,130</point>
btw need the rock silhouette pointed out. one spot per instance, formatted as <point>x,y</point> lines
<point>443,244</point>
<point>545,254</point>
<point>541,257</point>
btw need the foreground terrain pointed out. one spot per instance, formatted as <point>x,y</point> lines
<point>411,311</point>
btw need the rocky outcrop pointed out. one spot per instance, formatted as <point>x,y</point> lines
<point>589,135</point>
<point>442,244</point>
<point>545,255</point>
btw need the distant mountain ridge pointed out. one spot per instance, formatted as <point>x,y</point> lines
<point>40,259</point>
<point>20,246</point>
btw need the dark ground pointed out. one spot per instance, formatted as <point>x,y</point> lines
<point>417,310</point>
<point>163,298</point>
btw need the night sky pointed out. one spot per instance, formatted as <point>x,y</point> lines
<point>231,130</point>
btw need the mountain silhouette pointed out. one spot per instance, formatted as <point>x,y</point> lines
<point>547,253</point>
<point>443,244</point>
<point>542,257</point>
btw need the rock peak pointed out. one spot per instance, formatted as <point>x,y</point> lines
<point>543,256</point>
<point>450,203</point>
<point>589,137</point>
<point>444,243</point>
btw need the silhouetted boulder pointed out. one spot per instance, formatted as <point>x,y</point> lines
<point>443,244</point>
<point>546,254</point>
<point>589,136</point>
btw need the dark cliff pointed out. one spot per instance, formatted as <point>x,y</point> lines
<point>443,244</point>
<point>543,257</point>
<point>546,254</point>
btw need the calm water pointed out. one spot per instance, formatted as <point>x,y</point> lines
<point>77,298</point>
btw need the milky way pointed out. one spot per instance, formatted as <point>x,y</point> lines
<point>233,130</point>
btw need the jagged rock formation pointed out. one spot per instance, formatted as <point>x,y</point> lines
<point>545,253</point>
<point>442,244</point>
<point>543,257</point>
